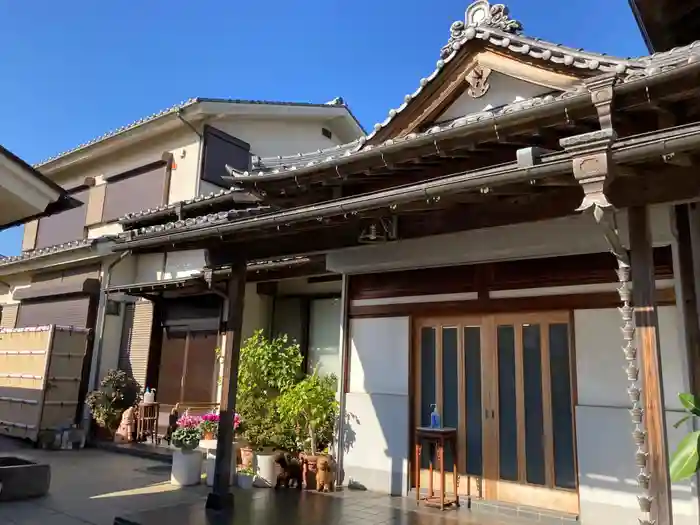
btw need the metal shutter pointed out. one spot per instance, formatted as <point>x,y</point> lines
<point>135,193</point>
<point>9,315</point>
<point>65,226</point>
<point>136,342</point>
<point>66,312</point>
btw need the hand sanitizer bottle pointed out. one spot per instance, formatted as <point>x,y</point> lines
<point>435,418</point>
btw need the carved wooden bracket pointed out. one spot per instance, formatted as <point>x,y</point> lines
<point>478,82</point>
<point>602,95</point>
<point>592,166</point>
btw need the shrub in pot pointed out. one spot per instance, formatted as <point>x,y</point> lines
<point>312,407</point>
<point>187,460</point>
<point>267,367</point>
<point>118,391</point>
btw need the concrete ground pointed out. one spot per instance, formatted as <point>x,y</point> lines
<point>91,487</point>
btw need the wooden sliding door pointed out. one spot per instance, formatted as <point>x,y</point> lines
<point>506,383</point>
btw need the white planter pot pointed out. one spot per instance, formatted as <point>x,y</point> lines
<point>187,467</point>
<point>210,465</point>
<point>265,468</point>
<point>244,481</point>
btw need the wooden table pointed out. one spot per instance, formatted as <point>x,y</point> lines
<point>147,421</point>
<point>437,437</point>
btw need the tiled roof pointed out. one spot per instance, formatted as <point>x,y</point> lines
<point>49,250</point>
<point>173,206</point>
<point>211,219</point>
<point>498,30</point>
<point>338,102</point>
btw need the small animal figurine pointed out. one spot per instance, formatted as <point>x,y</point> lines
<point>325,474</point>
<point>291,471</point>
<point>127,427</point>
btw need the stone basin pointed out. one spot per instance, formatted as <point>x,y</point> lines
<point>22,479</point>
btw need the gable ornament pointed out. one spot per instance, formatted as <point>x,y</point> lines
<point>480,14</point>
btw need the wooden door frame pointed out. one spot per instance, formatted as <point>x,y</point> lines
<point>490,487</point>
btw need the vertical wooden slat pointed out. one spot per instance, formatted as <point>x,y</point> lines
<point>438,367</point>
<point>462,402</point>
<point>137,343</point>
<point>647,325</point>
<point>520,399</point>
<point>489,394</point>
<point>548,432</point>
<point>573,382</point>
<point>185,360</point>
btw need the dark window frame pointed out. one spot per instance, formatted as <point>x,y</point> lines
<point>208,132</point>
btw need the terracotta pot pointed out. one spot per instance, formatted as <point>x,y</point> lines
<point>310,470</point>
<point>209,436</point>
<point>247,457</point>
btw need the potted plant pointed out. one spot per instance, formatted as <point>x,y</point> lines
<point>267,368</point>
<point>245,477</point>
<point>118,391</point>
<point>209,425</point>
<point>312,406</point>
<point>187,459</point>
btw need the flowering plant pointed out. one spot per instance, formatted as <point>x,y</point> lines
<point>209,423</point>
<point>188,432</point>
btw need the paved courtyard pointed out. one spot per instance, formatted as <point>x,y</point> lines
<point>91,487</point>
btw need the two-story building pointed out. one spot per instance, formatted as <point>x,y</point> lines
<point>171,162</point>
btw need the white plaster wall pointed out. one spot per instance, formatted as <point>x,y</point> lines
<point>16,283</point>
<point>111,342</point>
<point>149,267</point>
<point>504,90</point>
<point>270,137</point>
<point>183,264</point>
<point>377,405</point>
<point>256,312</point>
<point>564,236</point>
<point>607,470</point>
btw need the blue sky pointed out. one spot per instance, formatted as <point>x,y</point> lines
<point>75,70</point>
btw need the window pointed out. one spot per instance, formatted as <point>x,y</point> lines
<point>314,323</point>
<point>324,336</point>
<point>220,150</point>
<point>65,226</point>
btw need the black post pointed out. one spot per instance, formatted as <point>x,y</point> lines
<point>221,498</point>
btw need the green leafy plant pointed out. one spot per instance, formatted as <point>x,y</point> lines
<point>311,405</point>
<point>267,368</point>
<point>118,391</point>
<point>685,461</point>
<point>246,471</point>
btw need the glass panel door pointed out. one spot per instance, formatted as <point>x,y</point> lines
<point>536,458</point>
<point>448,365</point>
<point>505,382</point>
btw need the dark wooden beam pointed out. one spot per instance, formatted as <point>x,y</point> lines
<point>221,498</point>
<point>647,331</point>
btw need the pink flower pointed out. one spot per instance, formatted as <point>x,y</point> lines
<point>236,421</point>
<point>187,421</point>
<point>211,417</point>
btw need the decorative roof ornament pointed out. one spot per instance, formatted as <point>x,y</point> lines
<point>480,14</point>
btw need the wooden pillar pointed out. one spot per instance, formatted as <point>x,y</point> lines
<point>647,330</point>
<point>221,497</point>
<point>688,286</point>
